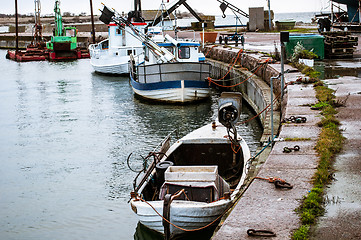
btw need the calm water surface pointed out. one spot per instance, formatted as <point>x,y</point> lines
<point>65,134</point>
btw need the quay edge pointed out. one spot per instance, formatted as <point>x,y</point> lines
<point>262,206</point>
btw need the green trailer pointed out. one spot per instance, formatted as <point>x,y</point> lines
<point>311,42</point>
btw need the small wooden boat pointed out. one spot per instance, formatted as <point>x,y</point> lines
<point>192,183</point>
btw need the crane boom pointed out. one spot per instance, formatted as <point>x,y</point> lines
<point>172,9</point>
<point>58,19</point>
<point>224,5</point>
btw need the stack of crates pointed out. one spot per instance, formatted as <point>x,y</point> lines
<point>339,44</point>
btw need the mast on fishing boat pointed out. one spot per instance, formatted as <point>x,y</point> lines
<point>92,19</point>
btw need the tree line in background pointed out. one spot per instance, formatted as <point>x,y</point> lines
<point>65,14</point>
<point>82,14</point>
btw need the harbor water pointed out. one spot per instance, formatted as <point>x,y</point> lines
<point>66,133</point>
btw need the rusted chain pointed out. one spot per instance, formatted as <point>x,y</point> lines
<point>295,119</point>
<point>278,182</point>
<point>288,149</point>
<point>260,233</point>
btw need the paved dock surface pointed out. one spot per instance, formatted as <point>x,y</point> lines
<point>263,206</point>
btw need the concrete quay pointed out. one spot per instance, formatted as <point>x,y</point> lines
<point>264,207</point>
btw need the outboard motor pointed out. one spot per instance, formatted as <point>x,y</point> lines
<point>229,108</point>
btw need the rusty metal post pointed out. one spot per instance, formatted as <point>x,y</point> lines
<point>16,28</point>
<point>92,18</point>
<point>166,215</point>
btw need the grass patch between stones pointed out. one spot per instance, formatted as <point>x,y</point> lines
<point>328,145</point>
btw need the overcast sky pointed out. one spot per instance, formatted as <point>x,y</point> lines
<point>204,6</point>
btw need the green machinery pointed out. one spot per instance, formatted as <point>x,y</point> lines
<point>64,38</point>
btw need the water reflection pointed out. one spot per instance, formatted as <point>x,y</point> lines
<point>144,233</point>
<point>330,69</point>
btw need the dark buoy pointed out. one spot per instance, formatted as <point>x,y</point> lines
<point>161,167</point>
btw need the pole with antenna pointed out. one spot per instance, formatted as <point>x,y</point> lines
<point>16,28</point>
<point>92,19</point>
<point>269,15</point>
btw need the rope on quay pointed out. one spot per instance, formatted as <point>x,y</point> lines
<point>214,81</point>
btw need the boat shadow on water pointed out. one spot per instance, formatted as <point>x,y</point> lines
<point>144,233</point>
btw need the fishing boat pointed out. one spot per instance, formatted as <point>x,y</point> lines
<point>181,80</point>
<point>112,55</point>
<point>169,70</point>
<point>190,184</point>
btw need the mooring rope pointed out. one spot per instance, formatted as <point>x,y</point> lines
<point>214,81</point>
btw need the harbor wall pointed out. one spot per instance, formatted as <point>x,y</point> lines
<point>272,208</point>
<point>253,86</point>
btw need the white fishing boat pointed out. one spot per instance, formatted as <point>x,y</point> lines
<point>169,70</point>
<point>112,55</point>
<point>181,80</point>
<point>192,183</point>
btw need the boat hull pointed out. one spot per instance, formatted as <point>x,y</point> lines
<point>172,92</point>
<point>188,215</point>
<point>114,69</point>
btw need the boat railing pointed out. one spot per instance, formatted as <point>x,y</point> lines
<point>193,71</point>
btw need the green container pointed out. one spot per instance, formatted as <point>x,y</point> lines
<point>310,42</point>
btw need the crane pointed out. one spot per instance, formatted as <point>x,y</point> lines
<point>38,36</point>
<point>64,39</point>
<point>58,19</point>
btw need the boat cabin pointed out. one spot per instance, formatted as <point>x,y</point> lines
<point>188,156</point>
<point>201,183</point>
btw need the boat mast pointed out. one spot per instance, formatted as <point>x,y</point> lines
<point>92,19</point>
<point>332,14</point>
<point>162,54</point>
<point>16,27</point>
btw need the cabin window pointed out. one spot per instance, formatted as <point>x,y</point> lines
<point>119,31</point>
<point>131,51</point>
<point>184,53</point>
<point>105,45</point>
